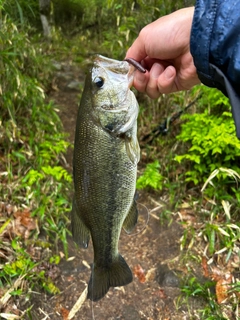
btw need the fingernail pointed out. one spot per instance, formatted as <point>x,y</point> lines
<point>156,70</point>
<point>169,73</point>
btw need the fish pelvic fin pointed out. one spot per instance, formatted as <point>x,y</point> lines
<point>80,232</point>
<point>132,218</point>
<point>116,275</point>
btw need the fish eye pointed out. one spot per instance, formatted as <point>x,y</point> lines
<point>99,81</point>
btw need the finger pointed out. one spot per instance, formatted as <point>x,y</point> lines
<point>152,85</point>
<point>166,80</point>
<point>140,80</point>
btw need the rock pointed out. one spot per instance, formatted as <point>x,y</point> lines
<point>74,85</point>
<point>168,278</point>
<point>130,313</point>
<point>57,65</point>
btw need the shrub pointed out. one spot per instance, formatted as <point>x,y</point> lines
<point>211,138</point>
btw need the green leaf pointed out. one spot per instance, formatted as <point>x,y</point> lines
<point>151,177</point>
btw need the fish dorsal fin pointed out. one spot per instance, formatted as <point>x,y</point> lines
<point>80,232</point>
<point>132,217</point>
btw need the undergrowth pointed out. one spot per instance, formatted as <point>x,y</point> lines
<point>202,169</point>
<point>34,185</point>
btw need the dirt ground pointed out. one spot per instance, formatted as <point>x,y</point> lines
<point>152,251</point>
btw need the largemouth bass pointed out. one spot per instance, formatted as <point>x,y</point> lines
<point>106,153</point>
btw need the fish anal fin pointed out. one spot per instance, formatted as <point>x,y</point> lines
<point>131,219</point>
<point>80,232</point>
<point>116,275</point>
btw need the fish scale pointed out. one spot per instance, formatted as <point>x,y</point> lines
<point>105,159</point>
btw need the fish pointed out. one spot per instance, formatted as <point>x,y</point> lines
<point>106,153</point>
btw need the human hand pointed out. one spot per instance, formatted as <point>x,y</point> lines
<point>163,48</point>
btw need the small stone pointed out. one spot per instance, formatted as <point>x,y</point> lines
<point>74,85</point>
<point>57,65</point>
<point>166,277</point>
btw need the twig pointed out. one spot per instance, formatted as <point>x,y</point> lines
<point>78,304</point>
<point>9,316</point>
<point>7,295</point>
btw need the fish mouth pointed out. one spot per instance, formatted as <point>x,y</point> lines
<point>131,75</point>
<point>129,66</point>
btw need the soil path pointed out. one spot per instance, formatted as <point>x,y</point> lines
<point>154,251</point>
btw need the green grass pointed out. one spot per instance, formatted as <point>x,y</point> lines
<point>34,185</point>
<point>208,211</point>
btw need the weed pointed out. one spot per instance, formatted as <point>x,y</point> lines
<point>212,138</point>
<point>151,177</point>
<point>34,186</point>
<point>25,268</point>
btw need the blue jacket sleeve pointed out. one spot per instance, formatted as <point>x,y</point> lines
<point>215,47</point>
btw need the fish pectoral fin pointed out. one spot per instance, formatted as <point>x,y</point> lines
<point>131,219</point>
<point>102,278</point>
<point>132,149</point>
<point>80,232</point>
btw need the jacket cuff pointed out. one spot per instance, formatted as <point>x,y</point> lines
<point>201,34</point>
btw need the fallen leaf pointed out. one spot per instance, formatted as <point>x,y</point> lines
<point>139,273</point>
<point>205,267</point>
<point>222,287</point>
<point>150,276</point>
<point>25,219</point>
<point>161,294</point>
<point>217,274</point>
<point>23,223</point>
<point>8,316</point>
<point>64,313</point>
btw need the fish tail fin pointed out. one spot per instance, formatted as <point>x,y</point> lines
<point>118,274</point>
